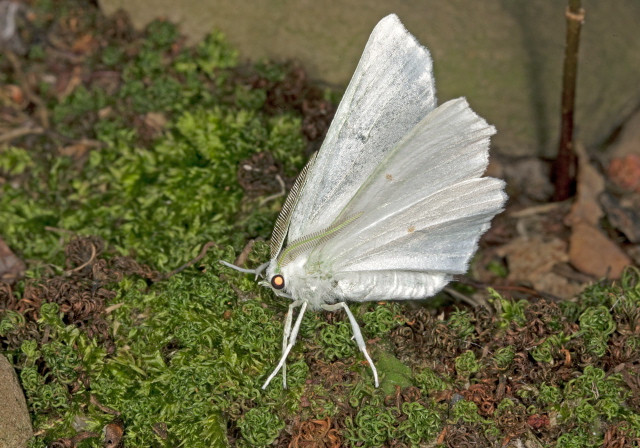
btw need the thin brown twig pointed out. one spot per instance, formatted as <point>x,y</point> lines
<point>75,440</point>
<point>566,158</point>
<point>115,306</point>
<point>85,264</point>
<point>536,210</point>
<point>468,300</point>
<point>58,230</point>
<point>245,253</point>
<point>282,192</point>
<point>22,80</point>
<point>107,410</point>
<point>19,132</point>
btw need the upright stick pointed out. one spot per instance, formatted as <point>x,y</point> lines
<point>566,158</point>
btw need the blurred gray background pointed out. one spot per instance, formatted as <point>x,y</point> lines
<point>505,56</point>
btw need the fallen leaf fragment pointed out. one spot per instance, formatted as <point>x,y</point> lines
<point>532,259</point>
<point>593,253</point>
<point>77,151</point>
<point>85,44</point>
<point>156,121</point>
<point>586,207</point>
<point>11,267</point>
<point>112,434</point>
<point>590,251</point>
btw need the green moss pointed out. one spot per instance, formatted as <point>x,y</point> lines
<point>504,357</point>
<point>429,381</point>
<point>214,364</point>
<point>465,411</point>
<point>609,408</point>
<point>260,427</point>
<point>164,94</point>
<point>161,34</point>
<point>371,427</point>
<point>467,363</point>
<point>510,311</point>
<point>460,322</point>
<point>112,56</point>
<point>595,385</point>
<point>585,413</point>
<point>549,395</point>
<point>14,161</point>
<point>422,424</point>
<point>498,268</point>
<point>335,340</point>
<point>549,348</point>
<point>577,438</point>
<point>634,421</point>
<point>394,372</point>
<point>596,325</point>
<point>214,53</point>
<point>162,202</point>
<point>381,319</point>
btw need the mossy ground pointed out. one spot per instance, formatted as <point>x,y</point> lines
<point>139,165</point>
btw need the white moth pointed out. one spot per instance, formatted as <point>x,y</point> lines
<point>394,203</point>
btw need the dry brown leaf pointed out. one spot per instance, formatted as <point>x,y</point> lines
<point>11,267</point>
<point>156,121</point>
<point>67,83</point>
<point>105,112</point>
<point>531,260</point>
<point>13,93</point>
<point>593,253</point>
<point>84,44</point>
<point>590,250</point>
<point>76,151</point>
<point>113,434</point>
<point>586,207</point>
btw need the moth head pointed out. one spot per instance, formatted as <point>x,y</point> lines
<point>274,278</point>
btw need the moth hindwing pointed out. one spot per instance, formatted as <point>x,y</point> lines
<point>282,223</point>
<point>313,240</point>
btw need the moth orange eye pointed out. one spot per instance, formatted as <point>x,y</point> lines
<point>277,281</point>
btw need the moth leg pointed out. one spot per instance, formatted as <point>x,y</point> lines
<point>357,335</point>
<point>285,340</point>
<point>258,271</point>
<point>292,340</point>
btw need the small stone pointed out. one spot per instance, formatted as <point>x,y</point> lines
<point>15,423</point>
<point>625,219</point>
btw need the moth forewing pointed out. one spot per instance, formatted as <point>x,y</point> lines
<point>391,90</point>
